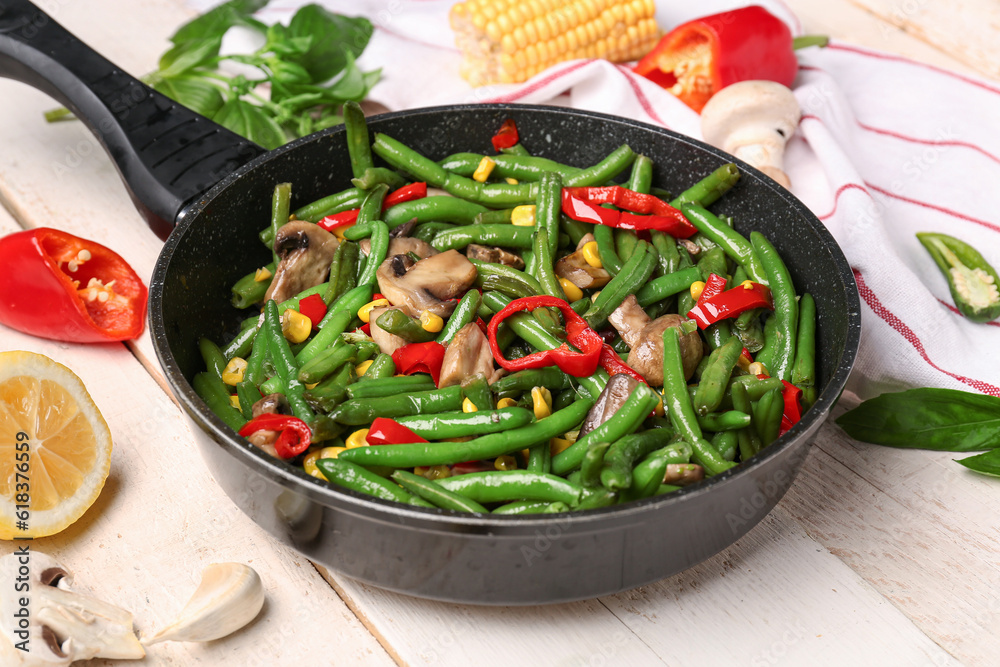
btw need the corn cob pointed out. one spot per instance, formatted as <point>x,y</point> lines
<point>509,41</point>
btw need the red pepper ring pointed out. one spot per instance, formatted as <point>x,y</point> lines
<point>406,193</point>
<point>385,431</point>
<point>578,333</point>
<point>583,205</point>
<point>60,286</point>
<point>613,364</point>
<point>731,303</point>
<point>294,434</point>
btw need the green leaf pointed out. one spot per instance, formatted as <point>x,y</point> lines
<point>189,54</point>
<point>250,121</point>
<point>284,71</point>
<point>335,38</point>
<point>195,93</point>
<point>988,463</point>
<point>215,22</point>
<point>927,418</point>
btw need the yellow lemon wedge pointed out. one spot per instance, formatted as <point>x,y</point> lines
<point>55,447</point>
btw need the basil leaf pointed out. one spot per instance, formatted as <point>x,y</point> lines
<point>988,463</point>
<point>215,22</point>
<point>194,93</point>
<point>189,54</point>
<point>334,39</point>
<point>927,418</point>
<point>250,121</point>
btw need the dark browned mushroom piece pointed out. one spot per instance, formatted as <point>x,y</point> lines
<point>387,342</point>
<point>431,284</point>
<point>615,393</point>
<point>574,268</point>
<point>645,338</point>
<point>304,250</point>
<point>482,253</point>
<point>467,355</point>
<point>682,474</point>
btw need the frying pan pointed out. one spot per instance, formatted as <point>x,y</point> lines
<point>208,192</point>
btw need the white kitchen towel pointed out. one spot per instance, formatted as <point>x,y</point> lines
<point>887,147</point>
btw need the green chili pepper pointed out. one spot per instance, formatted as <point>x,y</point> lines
<point>973,282</point>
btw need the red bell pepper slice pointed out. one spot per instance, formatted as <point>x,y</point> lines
<point>385,431</point>
<point>743,44</point>
<point>294,434</point>
<point>63,287</point>
<point>714,286</point>
<point>578,333</point>
<point>792,396</point>
<point>613,364</point>
<point>406,193</point>
<point>731,303</point>
<point>583,204</point>
<point>506,136</point>
<point>313,307</point>
<point>420,358</point>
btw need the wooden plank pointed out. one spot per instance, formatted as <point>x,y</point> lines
<point>775,597</point>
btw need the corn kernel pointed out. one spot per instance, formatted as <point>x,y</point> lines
<point>523,216</point>
<point>325,453</point>
<point>295,326</point>
<point>505,462</point>
<point>339,231</point>
<point>593,297</point>
<point>541,399</point>
<point>309,464</point>
<point>484,169</point>
<point>511,181</point>
<point>363,367</point>
<point>431,322</point>
<point>573,293</point>
<point>697,287</point>
<point>311,385</point>
<point>232,374</point>
<point>592,255</point>
<point>743,361</point>
<point>234,400</point>
<point>365,311</point>
<point>757,368</point>
<point>261,274</point>
<point>469,406</point>
<point>747,284</point>
<point>506,403</point>
<point>658,410</point>
<point>433,472</point>
<point>357,439</point>
<point>557,445</point>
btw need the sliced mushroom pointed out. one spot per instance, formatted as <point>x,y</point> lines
<point>270,404</point>
<point>430,284</point>
<point>57,626</point>
<point>304,250</point>
<point>574,268</point>
<point>645,338</point>
<point>467,355</point>
<point>403,245</point>
<point>615,393</point>
<point>682,474</point>
<point>484,253</point>
<point>387,342</point>
<point>693,248</point>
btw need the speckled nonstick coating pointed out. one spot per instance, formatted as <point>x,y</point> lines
<point>477,559</point>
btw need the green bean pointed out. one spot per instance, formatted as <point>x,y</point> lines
<point>753,337</point>
<point>339,202</point>
<point>642,175</point>
<point>506,236</point>
<point>215,362</point>
<point>668,285</point>
<point>540,455</point>
<point>734,243</point>
<point>371,207</point>
<point>325,429</point>
<point>436,494</point>
<point>715,378</point>
<point>726,442</point>
<point>426,231</point>
<point>499,217</point>
<point>406,159</point>
<point>436,208</point>
<point>747,438</point>
<point>547,210</point>
<point>706,191</point>
<point>248,290</point>
<point>731,420</point>
<point>544,265</point>
<point>592,464</point>
<point>633,275</point>
<point>516,149</point>
<point>767,416</point>
<point>247,394</point>
<point>575,229</point>
<point>717,334</point>
<point>677,403</point>
<point>377,253</point>
<point>624,452</point>
<point>477,390</point>
<point>382,367</point>
<point>335,322</point>
<point>372,176</point>
<point>506,286</point>
<point>604,236</point>
<point>756,387</point>
<point>211,390</point>
<point>779,349</point>
<point>330,392</point>
<point>626,243</point>
<point>390,386</point>
<point>279,212</point>
<point>357,411</point>
<point>531,507</point>
<point>254,372</point>
<point>326,362</point>
<point>483,447</point>
<point>550,378</point>
<point>465,313</point>
<point>521,167</point>
<point>358,146</point>
<point>462,424</point>
<point>503,486</point>
<point>400,324</point>
<point>646,479</point>
<point>616,162</point>
<point>666,247</point>
<point>487,269</point>
<point>355,478</point>
<point>804,369</point>
<point>285,364</point>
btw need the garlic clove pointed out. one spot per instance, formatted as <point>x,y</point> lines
<point>229,596</point>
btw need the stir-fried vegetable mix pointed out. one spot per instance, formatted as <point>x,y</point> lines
<point>536,338</point>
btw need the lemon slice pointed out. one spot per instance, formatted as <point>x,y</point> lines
<point>55,447</point>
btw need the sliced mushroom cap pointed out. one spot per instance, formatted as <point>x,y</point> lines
<point>304,250</point>
<point>429,284</point>
<point>574,268</point>
<point>484,253</point>
<point>271,404</point>
<point>682,474</point>
<point>615,393</point>
<point>467,355</point>
<point>645,338</point>
<point>387,342</point>
<point>402,245</point>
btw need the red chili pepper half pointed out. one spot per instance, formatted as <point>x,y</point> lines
<point>584,205</point>
<point>613,364</point>
<point>792,396</point>
<point>385,431</point>
<point>506,136</point>
<point>578,334</point>
<point>420,358</point>
<point>346,218</point>
<point>699,58</point>
<point>714,286</point>
<point>63,287</point>
<point>294,434</point>
<point>731,303</point>
<point>313,307</point>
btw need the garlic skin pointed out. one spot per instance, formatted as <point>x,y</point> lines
<point>229,596</point>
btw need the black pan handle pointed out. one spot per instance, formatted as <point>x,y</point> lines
<point>166,154</point>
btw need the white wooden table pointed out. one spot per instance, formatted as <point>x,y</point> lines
<point>875,556</point>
